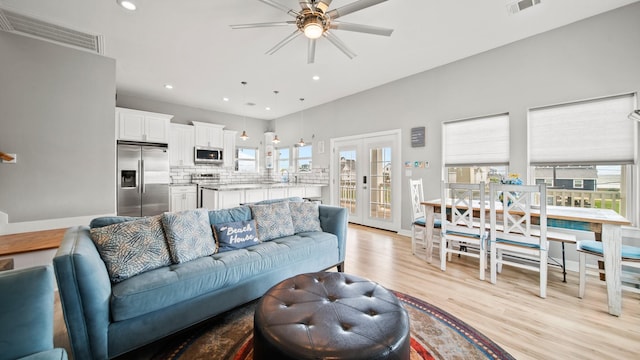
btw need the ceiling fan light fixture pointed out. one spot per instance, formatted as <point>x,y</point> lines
<point>313,27</point>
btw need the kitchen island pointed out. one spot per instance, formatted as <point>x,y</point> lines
<point>222,196</point>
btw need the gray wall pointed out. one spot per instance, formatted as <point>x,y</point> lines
<point>57,115</point>
<point>592,58</point>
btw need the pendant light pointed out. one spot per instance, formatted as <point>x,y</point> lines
<point>244,135</point>
<point>275,138</point>
<point>301,142</point>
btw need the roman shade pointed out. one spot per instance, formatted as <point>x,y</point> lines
<point>476,142</point>
<point>596,132</point>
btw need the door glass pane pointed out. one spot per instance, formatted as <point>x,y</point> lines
<point>348,178</point>
<point>380,183</point>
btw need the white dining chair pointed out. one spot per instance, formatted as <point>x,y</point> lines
<point>630,259</point>
<point>418,222</point>
<point>513,233</point>
<point>463,230</point>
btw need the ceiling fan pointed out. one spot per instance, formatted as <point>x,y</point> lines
<point>314,21</point>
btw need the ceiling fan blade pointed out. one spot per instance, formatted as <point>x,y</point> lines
<point>284,42</point>
<point>339,44</point>
<point>259,25</point>
<point>306,4</point>
<point>361,28</point>
<point>311,51</point>
<point>323,5</point>
<point>353,7</point>
<point>277,5</point>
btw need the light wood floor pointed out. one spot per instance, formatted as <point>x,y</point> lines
<point>562,326</point>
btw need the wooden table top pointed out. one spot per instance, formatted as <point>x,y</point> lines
<point>591,215</point>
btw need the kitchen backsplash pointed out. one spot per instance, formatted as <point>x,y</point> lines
<point>182,175</point>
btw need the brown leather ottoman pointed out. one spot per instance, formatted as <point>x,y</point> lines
<point>330,315</point>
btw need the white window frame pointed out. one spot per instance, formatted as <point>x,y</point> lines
<point>299,159</point>
<point>288,158</point>
<point>255,161</point>
<point>627,160</point>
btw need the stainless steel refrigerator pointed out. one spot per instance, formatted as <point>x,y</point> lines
<point>143,179</point>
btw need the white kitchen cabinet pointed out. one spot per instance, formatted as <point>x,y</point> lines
<point>181,143</point>
<point>296,191</point>
<point>277,193</point>
<point>313,191</point>
<point>229,149</point>
<point>229,199</point>
<point>209,135</point>
<point>255,195</point>
<point>183,198</point>
<point>144,126</point>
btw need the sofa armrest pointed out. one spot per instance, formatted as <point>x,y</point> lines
<point>26,310</point>
<point>85,289</point>
<point>334,219</point>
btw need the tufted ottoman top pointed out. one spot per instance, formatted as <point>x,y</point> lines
<point>330,315</point>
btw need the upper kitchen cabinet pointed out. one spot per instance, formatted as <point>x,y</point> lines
<point>136,125</point>
<point>229,150</point>
<point>209,135</point>
<point>181,143</point>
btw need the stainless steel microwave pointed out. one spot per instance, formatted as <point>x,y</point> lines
<point>207,155</point>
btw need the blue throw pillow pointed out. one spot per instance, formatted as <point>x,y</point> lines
<point>239,213</point>
<point>235,235</point>
<point>189,234</point>
<point>305,216</point>
<point>273,220</point>
<point>132,247</point>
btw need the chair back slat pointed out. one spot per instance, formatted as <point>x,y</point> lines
<point>516,221</point>
<point>463,197</point>
<point>417,197</point>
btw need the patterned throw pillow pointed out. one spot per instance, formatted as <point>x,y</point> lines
<point>132,247</point>
<point>305,216</point>
<point>235,235</point>
<point>189,234</point>
<point>274,220</point>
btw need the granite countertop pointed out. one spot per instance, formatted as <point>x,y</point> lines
<point>240,186</point>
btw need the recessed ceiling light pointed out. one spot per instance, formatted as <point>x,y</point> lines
<point>225,99</point>
<point>127,4</point>
<point>267,108</point>
<point>316,77</point>
<point>168,86</point>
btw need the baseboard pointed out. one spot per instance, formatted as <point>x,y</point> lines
<point>404,232</point>
<point>39,225</point>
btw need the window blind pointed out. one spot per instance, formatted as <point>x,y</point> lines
<point>588,132</point>
<point>477,142</point>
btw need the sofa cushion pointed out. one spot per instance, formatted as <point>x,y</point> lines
<point>109,220</point>
<point>235,235</point>
<point>305,216</point>
<point>239,213</point>
<point>274,220</point>
<point>132,247</point>
<point>189,234</point>
<point>169,285</point>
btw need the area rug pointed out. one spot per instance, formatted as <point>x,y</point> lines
<point>435,334</point>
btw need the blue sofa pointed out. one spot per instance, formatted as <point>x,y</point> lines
<point>26,315</point>
<point>106,319</point>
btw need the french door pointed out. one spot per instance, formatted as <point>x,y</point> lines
<point>366,180</point>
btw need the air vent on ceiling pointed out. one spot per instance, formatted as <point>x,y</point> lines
<point>514,7</point>
<point>21,24</point>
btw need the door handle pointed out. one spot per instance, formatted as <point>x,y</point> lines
<point>142,180</point>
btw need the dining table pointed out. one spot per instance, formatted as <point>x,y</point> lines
<point>605,224</point>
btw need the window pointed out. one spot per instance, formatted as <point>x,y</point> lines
<point>284,156</point>
<point>247,159</point>
<point>303,161</point>
<point>476,149</point>
<point>586,150</point>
